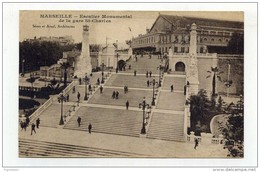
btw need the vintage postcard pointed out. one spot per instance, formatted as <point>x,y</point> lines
<point>131,84</point>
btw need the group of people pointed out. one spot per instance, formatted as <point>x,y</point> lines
<point>89,126</point>
<point>25,124</point>
<point>148,73</point>
<point>115,94</point>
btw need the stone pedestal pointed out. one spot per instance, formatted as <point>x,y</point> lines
<point>83,63</point>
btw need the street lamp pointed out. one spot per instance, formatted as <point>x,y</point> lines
<point>61,99</point>
<point>86,80</point>
<point>117,55</point>
<point>143,105</point>
<point>160,67</point>
<point>153,83</point>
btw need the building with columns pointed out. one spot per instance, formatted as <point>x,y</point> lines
<point>173,32</point>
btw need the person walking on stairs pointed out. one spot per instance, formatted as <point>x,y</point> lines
<point>127,104</point>
<point>79,121</point>
<point>38,122</point>
<point>89,128</point>
<point>171,88</point>
<point>33,128</point>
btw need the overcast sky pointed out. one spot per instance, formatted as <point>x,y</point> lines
<point>118,29</point>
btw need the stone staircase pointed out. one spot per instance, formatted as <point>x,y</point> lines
<point>110,121</point>
<point>144,64</point>
<point>51,116</point>
<point>166,126</point>
<point>33,148</point>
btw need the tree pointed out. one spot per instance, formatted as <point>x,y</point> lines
<point>216,74</point>
<point>200,108</point>
<point>54,85</point>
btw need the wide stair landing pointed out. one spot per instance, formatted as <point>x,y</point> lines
<point>166,126</point>
<point>110,121</point>
<point>32,148</point>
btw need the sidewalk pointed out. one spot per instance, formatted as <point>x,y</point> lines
<point>150,147</point>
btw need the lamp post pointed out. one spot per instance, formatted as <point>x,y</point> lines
<point>102,79</point>
<point>153,83</point>
<point>61,98</point>
<point>117,55</point>
<point>160,67</point>
<point>86,80</point>
<point>143,105</point>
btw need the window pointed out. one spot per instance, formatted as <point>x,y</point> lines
<point>175,49</point>
<point>220,40</point>
<point>205,39</point>
<point>182,49</point>
<point>212,40</point>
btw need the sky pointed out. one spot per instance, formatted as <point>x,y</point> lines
<point>117,29</point>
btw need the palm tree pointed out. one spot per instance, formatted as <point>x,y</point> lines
<point>200,107</point>
<point>216,74</point>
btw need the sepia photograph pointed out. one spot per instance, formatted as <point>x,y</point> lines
<point>131,84</point>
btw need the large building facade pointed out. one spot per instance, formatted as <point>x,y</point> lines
<point>174,32</point>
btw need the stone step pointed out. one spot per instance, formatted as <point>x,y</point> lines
<point>40,148</point>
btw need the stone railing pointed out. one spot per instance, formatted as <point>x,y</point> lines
<point>205,138</point>
<point>41,109</point>
<point>69,87</point>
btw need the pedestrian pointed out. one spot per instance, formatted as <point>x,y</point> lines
<point>150,56</point>
<point>135,73</point>
<point>89,88</point>
<point>196,143</point>
<point>127,104</point>
<point>185,87</point>
<point>114,94</point>
<point>146,74</point>
<point>33,128</point>
<point>129,67</point>
<point>171,88</point>
<point>125,89</point>
<point>91,74</point>
<point>78,96</point>
<point>188,83</point>
<point>148,83</point>
<point>38,122</point>
<point>98,81</point>
<point>73,90</point>
<point>79,121</point>
<point>102,73</point>
<point>101,89</point>
<point>22,125</point>
<point>68,97</point>
<point>89,128</point>
<point>150,73</point>
<point>79,81</point>
<point>27,120</point>
<point>117,94</point>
